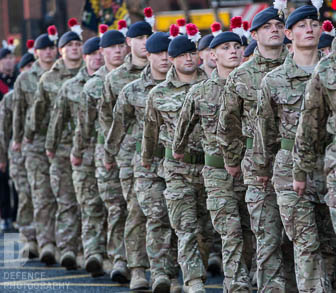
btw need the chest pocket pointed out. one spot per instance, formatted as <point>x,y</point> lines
<point>289,106</point>
<point>209,116</point>
<point>169,108</point>
<point>329,82</point>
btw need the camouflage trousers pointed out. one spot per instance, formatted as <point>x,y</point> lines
<point>186,203</point>
<point>161,242</point>
<point>111,194</point>
<point>44,202</point>
<point>230,219</point>
<point>25,215</point>
<point>67,215</point>
<point>93,215</point>
<point>135,226</point>
<point>299,215</point>
<point>331,196</point>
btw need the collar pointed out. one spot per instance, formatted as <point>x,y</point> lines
<point>174,80</point>
<point>263,61</point>
<point>130,66</point>
<point>294,71</point>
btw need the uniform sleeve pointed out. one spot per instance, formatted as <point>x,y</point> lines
<point>265,137</point>
<point>123,115</point>
<point>5,129</point>
<point>19,112</point>
<point>311,129</point>
<point>38,111</point>
<point>78,143</point>
<point>60,115</point>
<point>150,136</point>
<point>188,118</point>
<point>106,105</point>
<point>229,131</point>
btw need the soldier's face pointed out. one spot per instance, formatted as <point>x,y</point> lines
<point>271,34</point>
<point>186,63</point>
<point>72,51</point>
<point>94,61</point>
<point>115,54</point>
<point>138,46</point>
<point>207,58</point>
<point>326,50</point>
<point>46,55</point>
<point>7,63</point>
<point>228,55</point>
<point>305,34</point>
<point>27,67</point>
<point>159,61</point>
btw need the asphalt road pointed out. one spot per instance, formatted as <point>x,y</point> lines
<point>20,275</point>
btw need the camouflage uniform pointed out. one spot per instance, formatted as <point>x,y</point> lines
<point>17,170</point>
<point>226,194</point>
<point>64,118</point>
<point>278,112</point>
<point>185,195</point>
<point>317,117</point>
<point>235,131</point>
<point>108,181</point>
<point>135,236</point>
<point>60,168</point>
<point>149,185</point>
<point>36,163</point>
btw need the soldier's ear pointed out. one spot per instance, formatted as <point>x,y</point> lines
<point>254,35</point>
<point>289,34</point>
<point>129,41</point>
<point>60,51</point>
<point>213,54</point>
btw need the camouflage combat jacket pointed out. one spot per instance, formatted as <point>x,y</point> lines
<point>45,99</point>
<point>6,116</point>
<point>163,108</point>
<point>237,113</point>
<point>64,114</point>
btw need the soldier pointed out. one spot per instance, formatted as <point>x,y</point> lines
<point>279,106</point>
<point>36,162</point>
<point>203,48</point>
<point>17,170</point>
<point>64,118</point>
<point>327,37</point>
<point>135,226</point>
<point>184,194</point>
<point>66,221</point>
<point>225,201</point>
<point>88,134</point>
<point>235,133</point>
<point>149,185</point>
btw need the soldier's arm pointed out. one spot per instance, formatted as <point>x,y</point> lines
<point>229,131</point>
<point>59,117</point>
<point>38,111</point>
<point>150,136</point>
<point>106,104</point>
<point>5,127</point>
<point>78,144</point>
<point>311,130</point>
<point>266,132</point>
<point>19,112</point>
<point>188,118</point>
<point>123,114</point>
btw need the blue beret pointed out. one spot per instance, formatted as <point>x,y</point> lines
<point>325,41</point>
<point>205,42</point>
<point>4,52</point>
<point>91,45</point>
<point>139,28</point>
<point>43,42</point>
<point>181,45</point>
<point>110,38</point>
<point>244,41</point>
<point>303,12</point>
<point>225,37</point>
<point>67,38</point>
<point>250,49</point>
<point>26,59</point>
<point>158,42</point>
<point>265,16</point>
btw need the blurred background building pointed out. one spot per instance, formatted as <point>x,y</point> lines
<point>26,19</point>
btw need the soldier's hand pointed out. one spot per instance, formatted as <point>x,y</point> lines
<point>75,160</point>
<point>179,157</point>
<point>16,147</point>
<point>264,180</point>
<point>109,166</point>
<point>147,166</point>
<point>50,154</point>
<point>26,140</point>
<point>299,187</point>
<point>3,167</point>
<point>233,171</point>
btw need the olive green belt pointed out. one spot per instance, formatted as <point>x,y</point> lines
<point>214,161</point>
<point>158,152</point>
<point>101,138</point>
<point>287,144</point>
<point>188,157</point>
<point>249,143</point>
